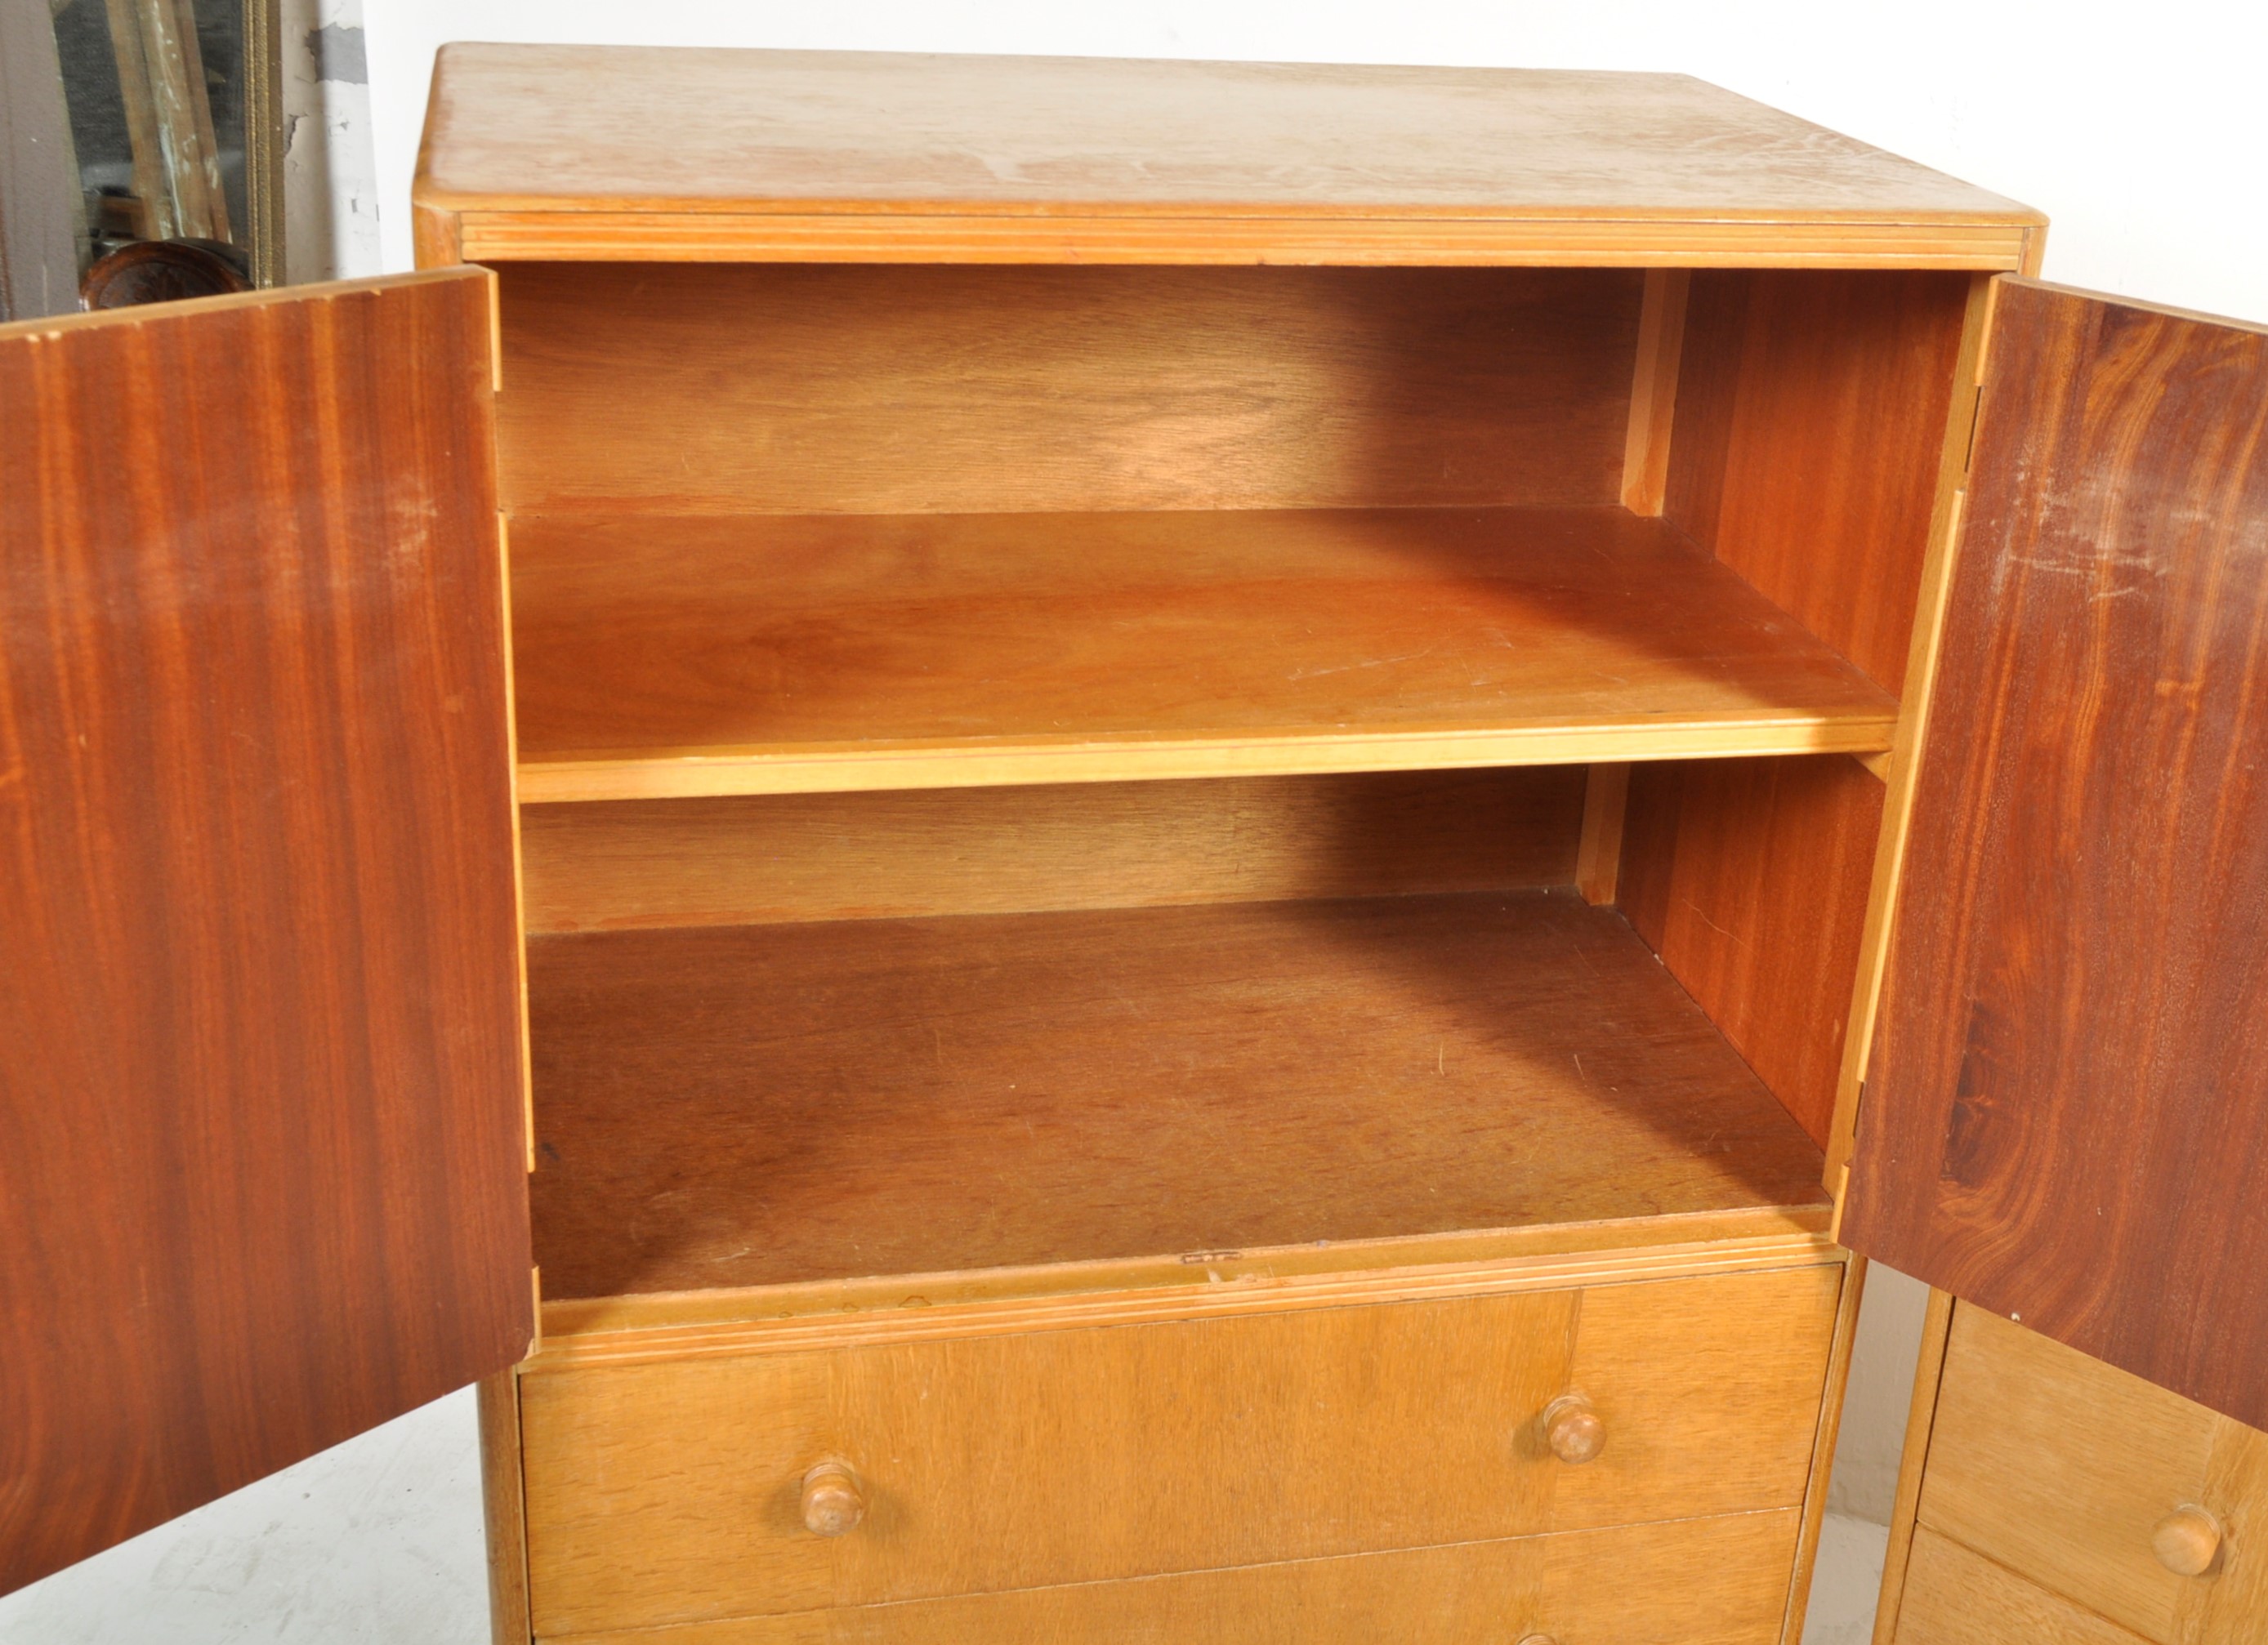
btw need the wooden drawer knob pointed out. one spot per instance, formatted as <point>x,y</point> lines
<point>1572,1429</point>
<point>1537,1639</point>
<point>2187,1541</point>
<point>832,1501</point>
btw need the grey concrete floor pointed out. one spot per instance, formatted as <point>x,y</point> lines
<point>376,1542</point>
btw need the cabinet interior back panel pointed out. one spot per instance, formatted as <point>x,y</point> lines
<point>865,389</point>
<point>746,859</point>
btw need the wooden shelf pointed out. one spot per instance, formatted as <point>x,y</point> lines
<point>770,1106</point>
<point>659,655</point>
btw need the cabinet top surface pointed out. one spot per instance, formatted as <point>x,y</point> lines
<point>909,137</point>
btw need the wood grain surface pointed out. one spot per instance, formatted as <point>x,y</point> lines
<point>1956,1596</point>
<point>644,1327</point>
<point>777,857</point>
<point>1654,390</point>
<point>1710,1582</point>
<point>1749,877</point>
<point>1599,852</point>
<point>1811,414</point>
<point>719,654</point>
<point>537,232</point>
<point>754,155</point>
<point>260,1023</point>
<point>2231,1605</point>
<point>2058,1467</point>
<point>754,1106</point>
<point>794,389</point>
<point>2061,1468</point>
<point>1811,423</point>
<point>1900,768</point>
<point>670,1492</point>
<point>2066,1114</point>
<point>504,1508</point>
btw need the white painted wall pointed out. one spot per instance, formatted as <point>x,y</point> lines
<point>330,176</point>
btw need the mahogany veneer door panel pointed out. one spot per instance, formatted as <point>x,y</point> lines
<point>2066,1113</point>
<point>262,1163</point>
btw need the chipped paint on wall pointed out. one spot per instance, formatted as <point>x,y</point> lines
<point>330,173</point>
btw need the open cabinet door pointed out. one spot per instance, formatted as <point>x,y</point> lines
<point>261,1068</point>
<point>2066,1113</point>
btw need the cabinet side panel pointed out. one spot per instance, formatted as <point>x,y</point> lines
<point>2066,1113</point>
<point>1810,416</point>
<point>260,1051</point>
<point>1810,429</point>
<point>1833,1387</point>
<point>693,387</point>
<point>504,1504</point>
<point>1749,879</point>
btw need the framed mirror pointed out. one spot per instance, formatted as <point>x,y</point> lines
<point>177,143</point>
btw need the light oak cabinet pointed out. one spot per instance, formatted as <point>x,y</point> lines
<point>2048,1495</point>
<point>1081,848</point>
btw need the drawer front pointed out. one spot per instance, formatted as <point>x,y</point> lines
<point>671,1491</point>
<point>1953,1596</point>
<point>2061,1468</point>
<point>1706,1582</point>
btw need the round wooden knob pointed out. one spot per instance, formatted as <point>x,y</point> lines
<point>2187,1541</point>
<point>1573,1429</point>
<point>1537,1639</point>
<point>832,1501</point>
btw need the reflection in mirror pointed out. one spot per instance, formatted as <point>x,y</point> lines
<point>172,119</point>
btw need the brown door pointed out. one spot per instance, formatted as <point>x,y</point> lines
<point>260,1155</point>
<point>2066,1115</point>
